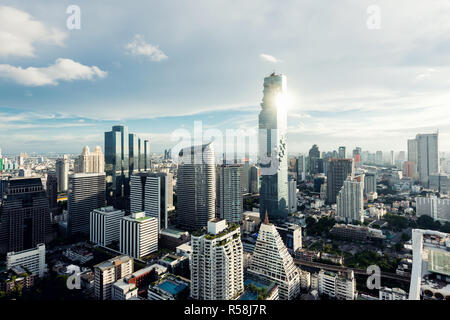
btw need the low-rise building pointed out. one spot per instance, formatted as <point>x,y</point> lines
<point>386,293</point>
<point>30,259</point>
<point>341,285</point>
<point>169,287</point>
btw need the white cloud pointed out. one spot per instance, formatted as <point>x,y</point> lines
<point>268,57</point>
<point>139,47</point>
<point>61,70</point>
<point>19,31</point>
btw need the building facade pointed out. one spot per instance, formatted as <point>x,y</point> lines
<point>138,235</point>
<point>104,225</point>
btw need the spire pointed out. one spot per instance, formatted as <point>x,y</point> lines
<point>266,219</point>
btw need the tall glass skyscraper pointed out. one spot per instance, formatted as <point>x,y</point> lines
<point>272,141</point>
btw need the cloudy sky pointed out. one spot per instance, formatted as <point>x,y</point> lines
<point>158,66</point>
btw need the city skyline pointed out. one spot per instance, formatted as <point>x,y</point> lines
<point>378,89</point>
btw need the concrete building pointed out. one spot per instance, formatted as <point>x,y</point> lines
<point>24,214</point>
<point>169,287</point>
<point>138,235</point>
<point>370,183</point>
<point>341,286</point>
<point>434,207</point>
<point>272,141</point>
<point>386,293</point>
<point>272,261</point>
<point>338,171</point>
<point>108,272</point>
<point>427,156</point>
<point>196,182</point>
<point>217,262</point>
<point>230,200</point>
<point>350,201</point>
<point>31,259</point>
<point>292,237</point>
<point>90,162</point>
<point>255,179</point>
<point>153,194</point>
<point>86,193</point>
<point>104,225</point>
<point>62,173</point>
<point>292,186</point>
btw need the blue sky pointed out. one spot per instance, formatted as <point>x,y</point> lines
<point>157,66</point>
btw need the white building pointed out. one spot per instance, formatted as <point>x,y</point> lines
<point>341,286</point>
<point>217,262</point>
<point>90,162</point>
<point>123,290</point>
<point>386,293</point>
<point>32,259</point>
<point>230,194</point>
<point>271,260</point>
<point>350,200</point>
<point>427,156</point>
<point>138,235</point>
<point>434,207</point>
<point>105,225</point>
<point>108,272</point>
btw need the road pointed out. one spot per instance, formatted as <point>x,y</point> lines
<point>319,265</point>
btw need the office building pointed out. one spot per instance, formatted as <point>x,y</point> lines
<point>52,193</point>
<point>273,149</point>
<point>86,193</point>
<point>32,259</point>
<point>230,200</point>
<point>350,200</point>
<point>341,153</point>
<point>108,272</point>
<point>105,225</point>
<point>90,162</point>
<point>314,157</point>
<point>338,171</point>
<point>62,173</point>
<point>24,214</point>
<point>255,179</point>
<point>138,235</point>
<point>272,261</point>
<point>196,187</point>
<point>134,152</point>
<point>152,193</point>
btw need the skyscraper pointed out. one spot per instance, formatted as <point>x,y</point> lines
<point>90,162</point>
<point>217,262</point>
<point>255,179</point>
<point>427,156</point>
<point>314,163</point>
<point>134,152</point>
<point>24,214</point>
<point>370,182</point>
<point>272,261</point>
<point>292,194</point>
<point>231,202</point>
<point>272,144</point>
<point>153,194</point>
<point>52,192</point>
<point>350,200</point>
<point>341,154</point>
<point>196,182</point>
<point>62,173</point>
<point>86,193</point>
<point>379,157</point>
<point>338,171</point>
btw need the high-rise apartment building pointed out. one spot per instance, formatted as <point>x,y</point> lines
<point>379,157</point>
<point>138,235</point>
<point>62,173</point>
<point>108,272</point>
<point>350,200</point>
<point>217,262</point>
<point>427,157</point>
<point>370,182</point>
<point>196,187</point>
<point>104,225</point>
<point>338,171</point>
<point>152,193</point>
<point>272,261</point>
<point>86,193</point>
<point>90,162</point>
<point>24,214</point>
<point>272,146</point>
<point>231,203</point>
